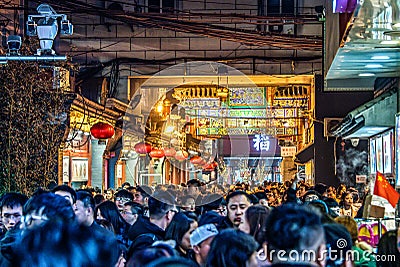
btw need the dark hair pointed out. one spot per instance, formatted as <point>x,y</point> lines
<point>136,208</point>
<point>109,211</point>
<point>65,244</point>
<point>144,190</point>
<point>237,193</point>
<point>65,188</point>
<point>195,182</point>
<point>143,257</point>
<point>55,207</point>
<point>86,198</point>
<point>210,217</point>
<point>257,217</point>
<point>179,225</point>
<point>338,242</point>
<point>160,203</point>
<point>106,224</point>
<point>231,248</point>
<point>311,192</point>
<point>124,193</point>
<point>98,199</point>
<point>298,228</point>
<point>211,202</point>
<point>388,246</point>
<point>13,199</point>
<point>172,262</point>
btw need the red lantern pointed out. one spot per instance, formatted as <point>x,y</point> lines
<point>181,155</point>
<point>169,151</point>
<point>142,148</point>
<point>102,130</point>
<point>196,160</point>
<point>210,166</point>
<point>157,153</point>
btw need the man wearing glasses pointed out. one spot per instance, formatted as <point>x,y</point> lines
<point>146,231</point>
<point>11,205</point>
<point>121,197</point>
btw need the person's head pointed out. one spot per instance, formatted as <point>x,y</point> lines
<point>109,194</point>
<point>387,247</point>
<point>125,185</point>
<point>296,228</point>
<point>262,198</point>
<point>98,198</point>
<point>270,197</point>
<point>188,203</point>
<point>46,207</point>
<point>339,244</point>
<point>214,202</point>
<point>193,187</point>
<point>301,190</point>
<point>333,206</point>
<point>121,197</point>
<point>237,204</point>
<point>65,244</point>
<point>347,199</point>
<point>131,212</point>
<point>65,191</point>
<point>11,206</point>
<point>144,257</point>
<point>180,229</point>
<point>331,192</point>
<point>201,239</point>
<point>108,210</point>
<point>351,226</point>
<point>142,195</point>
<point>162,208</point>
<point>254,222</point>
<point>84,208</point>
<point>232,248</point>
<point>311,195</point>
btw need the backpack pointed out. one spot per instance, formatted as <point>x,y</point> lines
<point>369,233</point>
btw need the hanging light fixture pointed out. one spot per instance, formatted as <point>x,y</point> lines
<point>157,153</point>
<point>169,152</point>
<point>102,131</point>
<point>142,148</point>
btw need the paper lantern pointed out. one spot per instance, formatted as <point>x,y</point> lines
<point>196,160</point>
<point>157,153</point>
<point>169,152</point>
<point>102,130</point>
<point>181,155</point>
<point>142,148</point>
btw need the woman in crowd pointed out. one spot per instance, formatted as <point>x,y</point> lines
<point>254,222</point>
<point>179,230</point>
<point>108,210</point>
<point>347,207</point>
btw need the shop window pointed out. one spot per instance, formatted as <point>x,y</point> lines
<point>161,6</point>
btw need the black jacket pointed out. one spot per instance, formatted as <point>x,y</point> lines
<point>144,233</point>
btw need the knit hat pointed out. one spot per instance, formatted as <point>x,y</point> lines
<point>202,233</point>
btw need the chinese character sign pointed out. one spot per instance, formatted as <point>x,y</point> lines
<point>261,142</point>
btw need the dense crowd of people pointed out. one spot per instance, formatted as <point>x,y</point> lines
<point>192,224</point>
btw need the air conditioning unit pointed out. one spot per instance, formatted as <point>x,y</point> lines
<point>329,123</point>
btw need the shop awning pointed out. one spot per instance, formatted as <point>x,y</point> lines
<point>369,119</point>
<point>370,47</point>
<point>305,155</point>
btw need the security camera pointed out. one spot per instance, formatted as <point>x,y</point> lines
<point>14,44</point>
